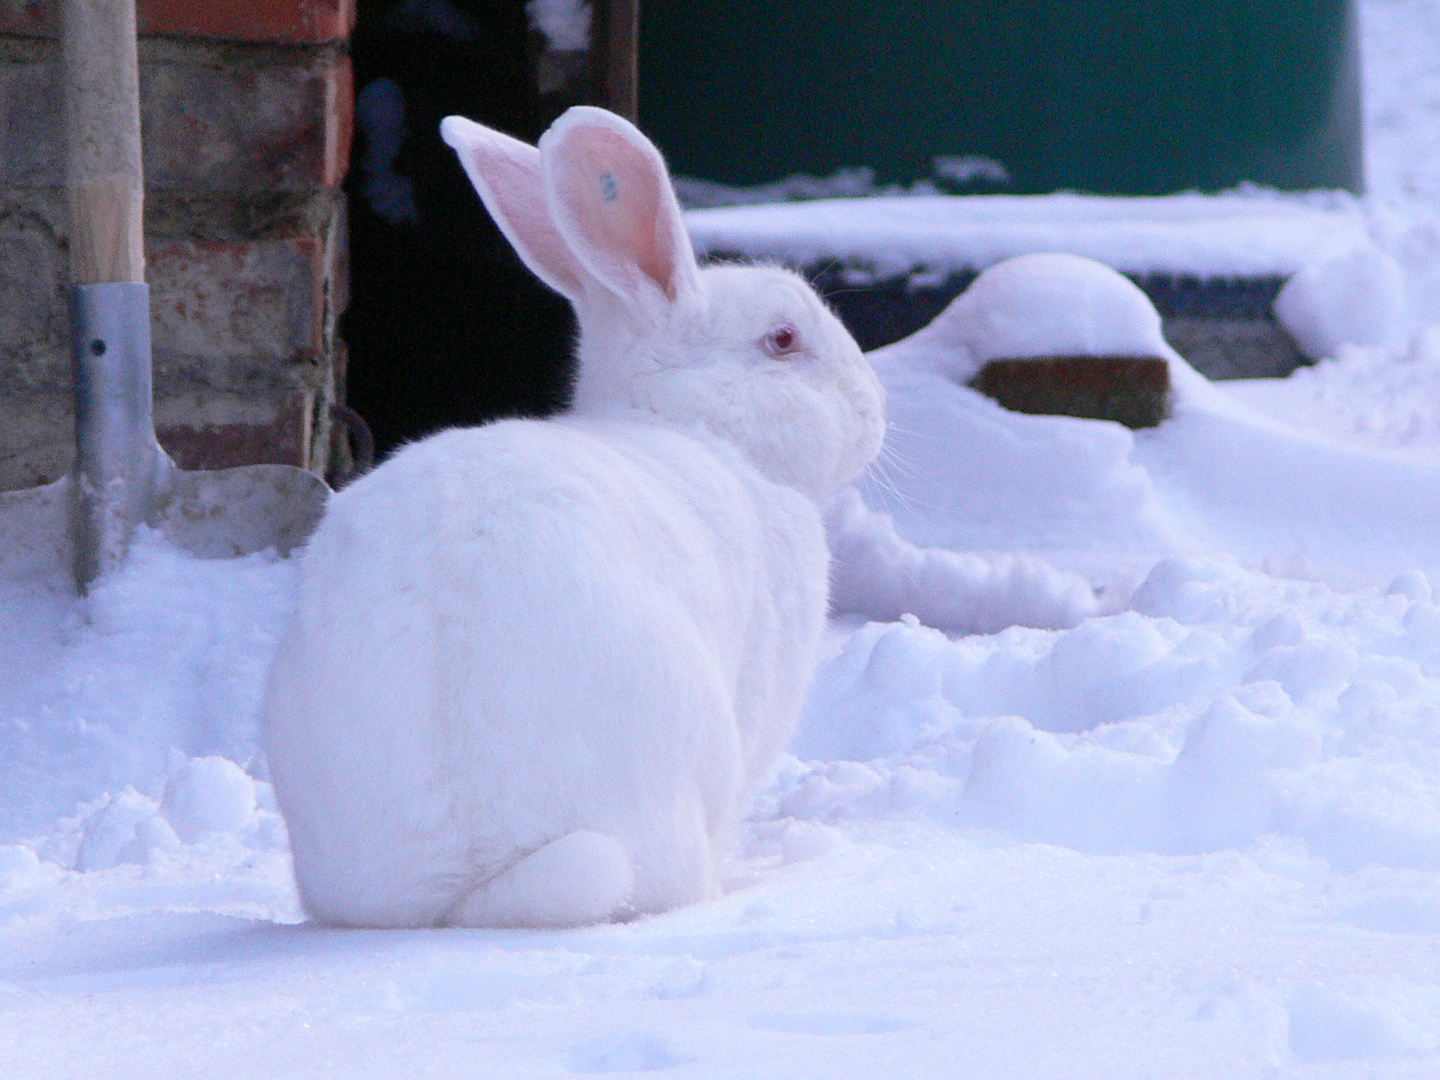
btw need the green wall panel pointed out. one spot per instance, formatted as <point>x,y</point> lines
<point>1118,97</point>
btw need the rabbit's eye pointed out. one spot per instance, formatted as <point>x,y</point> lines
<point>782,341</point>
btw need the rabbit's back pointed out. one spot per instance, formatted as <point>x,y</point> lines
<point>507,634</point>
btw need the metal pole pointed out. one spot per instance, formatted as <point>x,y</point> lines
<point>118,465</point>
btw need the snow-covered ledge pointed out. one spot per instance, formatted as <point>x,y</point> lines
<point>1239,234</point>
<point>1213,265</point>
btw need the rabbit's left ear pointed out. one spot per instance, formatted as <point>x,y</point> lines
<point>506,173</point>
<point>610,197</point>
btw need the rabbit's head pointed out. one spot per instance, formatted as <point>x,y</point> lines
<point>748,354</point>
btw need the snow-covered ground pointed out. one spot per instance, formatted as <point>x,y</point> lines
<point>1184,822</point>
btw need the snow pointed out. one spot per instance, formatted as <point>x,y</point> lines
<point>1233,234</point>
<point>1353,299</point>
<point>1124,760</point>
<point>1362,395</point>
<point>949,173</point>
<point>1402,97</point>
<point>564,23</point>
<point>1046,304</point>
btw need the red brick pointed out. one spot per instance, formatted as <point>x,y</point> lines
<point>1131,390</point>
<point>249,20</point>
<point>242,330</point>
<point>242,127</point>
<point>283,21</point>
<point>30,18</point>
<point>240,299</point>
<point>234,128</point>
<point>339,122</point>
<point>277,439</point>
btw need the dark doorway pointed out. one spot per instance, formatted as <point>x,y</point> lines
<point>445,325</point>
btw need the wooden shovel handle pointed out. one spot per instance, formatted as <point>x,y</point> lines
<point>104,180</point>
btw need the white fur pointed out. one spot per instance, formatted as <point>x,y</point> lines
<point>538,667</point>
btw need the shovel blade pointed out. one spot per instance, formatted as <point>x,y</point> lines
<point>225,513</point>
<point>213,515</point>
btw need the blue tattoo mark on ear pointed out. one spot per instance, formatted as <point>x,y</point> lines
<point>608,188</point>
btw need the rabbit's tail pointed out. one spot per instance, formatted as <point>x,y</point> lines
<point>581,878</point>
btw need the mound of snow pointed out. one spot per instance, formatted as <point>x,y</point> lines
<point>125,828</point>
<point>169,653</point>
<point>208,794</point>
<point>877,574</point>
<point>1381,400</point>
<point>1228,705</point>
<point>1047,304</point>
<point>965,474</point>
<point>1357,298</point>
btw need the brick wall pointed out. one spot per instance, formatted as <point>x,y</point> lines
<point>246,119</point>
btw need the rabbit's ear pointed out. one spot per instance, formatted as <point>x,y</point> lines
<point>610,196</point>
<point>506,173</point>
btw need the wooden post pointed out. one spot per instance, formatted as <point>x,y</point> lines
<point>104,181</point>
<point>620,56</point>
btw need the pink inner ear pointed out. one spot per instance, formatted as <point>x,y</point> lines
<point>521,193</point>
<point>506,172</point>
<point>617,197</point>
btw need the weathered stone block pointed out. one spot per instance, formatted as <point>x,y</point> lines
<point>36,433</point>
<point>37,438</point>
<point>235,297</point>
<point>1234,347</point>
<point>229,119</point>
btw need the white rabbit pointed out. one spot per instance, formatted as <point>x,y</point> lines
<point>538,667</point>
